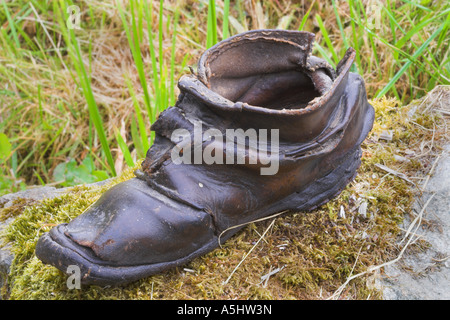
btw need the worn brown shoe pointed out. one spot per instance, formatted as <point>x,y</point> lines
<point>264,127</point>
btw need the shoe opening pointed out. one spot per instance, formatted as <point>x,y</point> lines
<point>283,90</point>
<point>268,71</point>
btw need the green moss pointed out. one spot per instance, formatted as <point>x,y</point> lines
<point>16,208</point>
<point>315,252</point>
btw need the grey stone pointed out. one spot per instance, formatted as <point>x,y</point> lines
<point>6,257</point>
<point>426,275</point>
<point>6,201</point>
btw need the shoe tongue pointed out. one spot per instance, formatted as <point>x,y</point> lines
<point>263,66</point>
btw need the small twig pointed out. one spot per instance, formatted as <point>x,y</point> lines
<point>260,235</point>
<point>445,112</point>
<point>266,277</point>
<point>440,260</point>
<point>243,224</point>
<point>429,105</point>
<point>151,293</point>
<point>418,218</point>
<point>415,234</point>
<point>48,35</point>
<point>395,173</point>
<point>248,253</point>
<point>430,172</point>
<point>421,127</point>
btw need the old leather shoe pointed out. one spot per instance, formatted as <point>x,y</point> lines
<point>263,127</point>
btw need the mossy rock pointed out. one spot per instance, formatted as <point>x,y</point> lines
<point>307,255</point>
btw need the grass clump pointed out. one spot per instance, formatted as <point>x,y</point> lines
<point>301,256</point>
<point>90,94</point>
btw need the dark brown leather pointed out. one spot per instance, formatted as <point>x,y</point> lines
<point>172,212</point>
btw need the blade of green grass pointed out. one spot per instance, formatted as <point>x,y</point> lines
<point>133,40</point>
<point>339,23</point>
<point>401,42</point>
<point>135,136</point>
<point>212,25</point>
<point>14,77</point>
<point>39,178</point>
<point>160,37</point>
<point>305,17</point>
<point>5,43</point>
<point>123,146</point>
<point>140,19</point>
<point>163,88</point>
<point>324,54</point>
<point>5,147</point>
<point>142,129</point>
<point>408,63</point>
<point>172,58</point>
<point>226,12</point>
<point>75,53</point>
<point>25,12</point>
<point>149,17</point>
<point>417,5</point>
<point>415,60</point>
<point>55,136</point>
<point>444,33</point>
<point>12,25</point>
<point>327,39</point>
<point>356,37</point>
<point>369,35</point>
<point>49,36</point>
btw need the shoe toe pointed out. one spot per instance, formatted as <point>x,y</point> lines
<point>132,224</point>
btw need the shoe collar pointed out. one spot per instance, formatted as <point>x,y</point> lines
<point>271,51</point>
